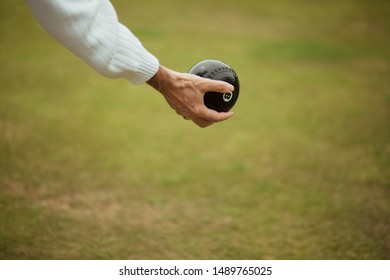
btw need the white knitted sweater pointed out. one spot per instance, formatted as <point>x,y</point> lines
<point>91,30</point>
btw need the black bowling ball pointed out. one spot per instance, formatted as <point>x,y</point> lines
<point>217,70</point>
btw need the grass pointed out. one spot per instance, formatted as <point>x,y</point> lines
<point>92,168</point>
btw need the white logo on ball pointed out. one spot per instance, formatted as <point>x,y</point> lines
<point>227,96</point>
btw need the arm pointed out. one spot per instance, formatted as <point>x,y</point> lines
<point>90,29</point>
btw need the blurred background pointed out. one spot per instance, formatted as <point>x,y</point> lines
<point>93,168</point>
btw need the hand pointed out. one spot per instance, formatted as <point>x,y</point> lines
<point>184,93</point>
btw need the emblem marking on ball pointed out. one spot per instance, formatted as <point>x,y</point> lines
<point>227,96</point>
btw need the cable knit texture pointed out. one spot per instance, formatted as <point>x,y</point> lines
<point>91,30</point>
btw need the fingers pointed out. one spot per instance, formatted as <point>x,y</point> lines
<point>202,122</point>
<point>214,116</point>
<point>207,85</point>
<point>216,86</point>
<point>210,117</point>
<point>204,116</point>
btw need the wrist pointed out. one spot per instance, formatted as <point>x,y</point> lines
<point>160,79</point>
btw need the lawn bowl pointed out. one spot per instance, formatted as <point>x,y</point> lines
<point>218,70</point>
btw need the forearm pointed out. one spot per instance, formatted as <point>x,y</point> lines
<point>91,30</point>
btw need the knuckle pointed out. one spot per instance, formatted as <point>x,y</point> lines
<point>197,111</point>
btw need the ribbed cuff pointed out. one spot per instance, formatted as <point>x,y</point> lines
<point>131,60</point>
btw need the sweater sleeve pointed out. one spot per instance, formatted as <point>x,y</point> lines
<point>90,29</point>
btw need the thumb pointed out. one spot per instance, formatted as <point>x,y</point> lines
<point>217,86</point>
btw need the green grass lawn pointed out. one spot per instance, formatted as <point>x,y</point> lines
<point>93,168</point>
